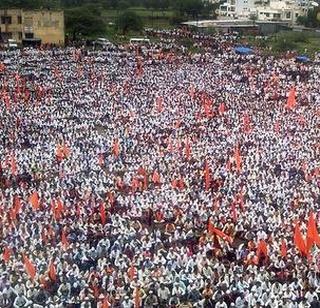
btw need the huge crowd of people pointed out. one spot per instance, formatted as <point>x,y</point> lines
<point>144,177</point>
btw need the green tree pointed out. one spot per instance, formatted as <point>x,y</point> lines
<point>123,4</point>
<point>129,20</point>
<point>190,7</point>
<point>312,19</point>
<point>85,21</point>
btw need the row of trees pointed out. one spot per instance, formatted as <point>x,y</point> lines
<point>312,19</point>
<point>188,7</point>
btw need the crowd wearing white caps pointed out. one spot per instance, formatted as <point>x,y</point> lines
<point>117,146</point>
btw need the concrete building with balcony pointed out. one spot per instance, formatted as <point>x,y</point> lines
<point>264,10</point>
<point>44,25</point>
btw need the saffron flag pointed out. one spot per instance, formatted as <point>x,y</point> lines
<point>52,273</point>
<point>17,204</point>
<point>262,249</point>
<point>291,102</point>
<point>58,210</point>
<point>312,233</point>
<point>34,200</point>
<point>132,272</point>
<point>105,303</point>
<point>219,233</point>
<point>283,249</point>
<point>59,152</point>
<point>299,241</point>
<point>6,254</point>
<point>237,158</point>
<point>137,298</point>
<point>207,176</point>
<point>29,267</point>
<point>116,148</point>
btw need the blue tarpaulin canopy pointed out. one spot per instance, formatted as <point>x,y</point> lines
<point>243,50</point>
<point>302,59</point>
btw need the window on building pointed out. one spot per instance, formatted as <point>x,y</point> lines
<point>9,35</point>
<point>288,15</point>
<point>19,20</point>
<point>29,35</point>
<point>6,20</point>
<point>20,35</point>
<point>267,15</point>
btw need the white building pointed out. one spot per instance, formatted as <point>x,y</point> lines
<point>265,10</point>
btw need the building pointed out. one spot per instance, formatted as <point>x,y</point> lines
<point>280,10</point>
<point>20,25</point>
<point>242,26</point>
<point>237,9</point>
<point>264,10</point>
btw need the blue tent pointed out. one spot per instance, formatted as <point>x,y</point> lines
<point>243,50</point>
<point>302,59</point>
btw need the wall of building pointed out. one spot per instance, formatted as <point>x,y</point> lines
<point>46,25</point>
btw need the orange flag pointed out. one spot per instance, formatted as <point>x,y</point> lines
<point>6,254</point>
<point>116,148</point>
<point>299,241</point>
<point>29,267</point>
<point>283,249</point>
<point>105,303</point>
<point>137,298</point>
<point>64,239</point>
<point>52,273</point>
<point>262,249</point>
<point>237,158</point>
<point>312,233</point>
<point>132,272</point>
<point>17,204</point>
<point>34,200</point>
<point>291,102</point>
<point>207,176</point>
<point>59,152</point>
<point>103,213</point>
<point>218,232</point>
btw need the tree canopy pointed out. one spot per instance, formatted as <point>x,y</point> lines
<point>312,19</point>
<point>129,20</point>
<point>86,21</point>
